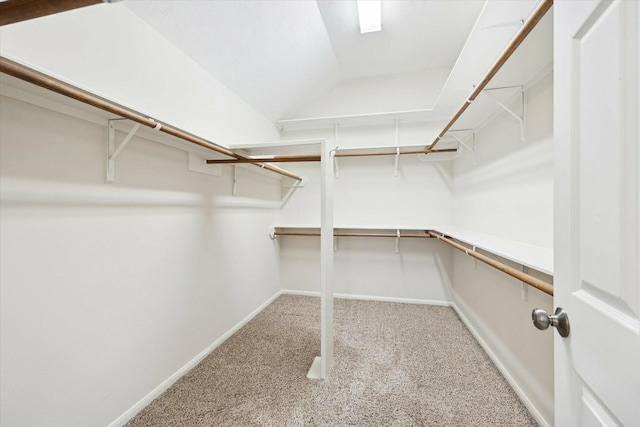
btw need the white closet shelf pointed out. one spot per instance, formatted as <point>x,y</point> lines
<point>535,257</point>
<point>531,256</point>
<point>368,119</point>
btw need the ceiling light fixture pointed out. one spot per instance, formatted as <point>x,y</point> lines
<point>370,15</point>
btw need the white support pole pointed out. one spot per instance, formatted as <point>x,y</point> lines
<point>326,248</point>
<point>322,365</point>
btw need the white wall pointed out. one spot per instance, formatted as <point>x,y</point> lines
<point>107,290</point>
<point>110,51</point>
<point>367,194</point>
<point>494,309</point>
<point>509,193</point>
<point>414,90</point>
<point>368,267</point>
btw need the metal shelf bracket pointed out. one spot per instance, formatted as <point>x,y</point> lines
<point>236,177</point>
<point>336,169</point>
<point>519,117</point>
<point>395,167</point>
<point>112,151</point>
<point>298,184</point>
<point>471,149</point>
<point>397,141</point>
<point>475,261</point>
<point>523,286</point>
<point>398,241</point>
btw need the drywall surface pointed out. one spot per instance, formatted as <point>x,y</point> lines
<point>107,49</point>
<point>368,267</point>
<point>414,90</point>
<point>107,290</point>
<point>366,190</point>
<point>367,194</point>
<point>271,53</point>
<point>497,309</point>
<point>509,193</point>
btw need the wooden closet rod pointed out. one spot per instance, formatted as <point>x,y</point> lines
<point>537,15</point>
<point>13,11</point>
<point>342,234</point>
<point>316,158</point>
<point>29,75</point>
<point>545,287</point>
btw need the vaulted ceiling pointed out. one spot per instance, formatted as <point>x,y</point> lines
<point>277,55</point>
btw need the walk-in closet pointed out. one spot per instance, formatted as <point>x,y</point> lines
<point>293,213</point>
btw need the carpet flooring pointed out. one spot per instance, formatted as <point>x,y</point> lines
<point>395,365</point>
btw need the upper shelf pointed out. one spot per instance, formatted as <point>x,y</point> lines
<point>409,116</point>
<point>532,256</point>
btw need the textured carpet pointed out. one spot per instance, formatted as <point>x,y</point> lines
<point>395,365</point>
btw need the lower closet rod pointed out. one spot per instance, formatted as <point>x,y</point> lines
<point>545,287</point>
<point>340,234</point>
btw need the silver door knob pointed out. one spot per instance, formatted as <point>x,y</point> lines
<point>559,320</point>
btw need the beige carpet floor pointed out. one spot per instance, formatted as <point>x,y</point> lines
<point>395,365</point>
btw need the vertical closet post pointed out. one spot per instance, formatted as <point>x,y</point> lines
<point>322,365</point>
<point>326,246</point>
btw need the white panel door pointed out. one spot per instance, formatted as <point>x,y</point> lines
<point>597,257</point>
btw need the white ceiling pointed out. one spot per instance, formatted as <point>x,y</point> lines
<point>276,54</point>
<point>415,35</point>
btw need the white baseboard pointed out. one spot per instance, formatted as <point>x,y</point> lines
<point>140,405</point>
<point>370,298</point>
<point>505,373</point>
<point>302,293</point>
